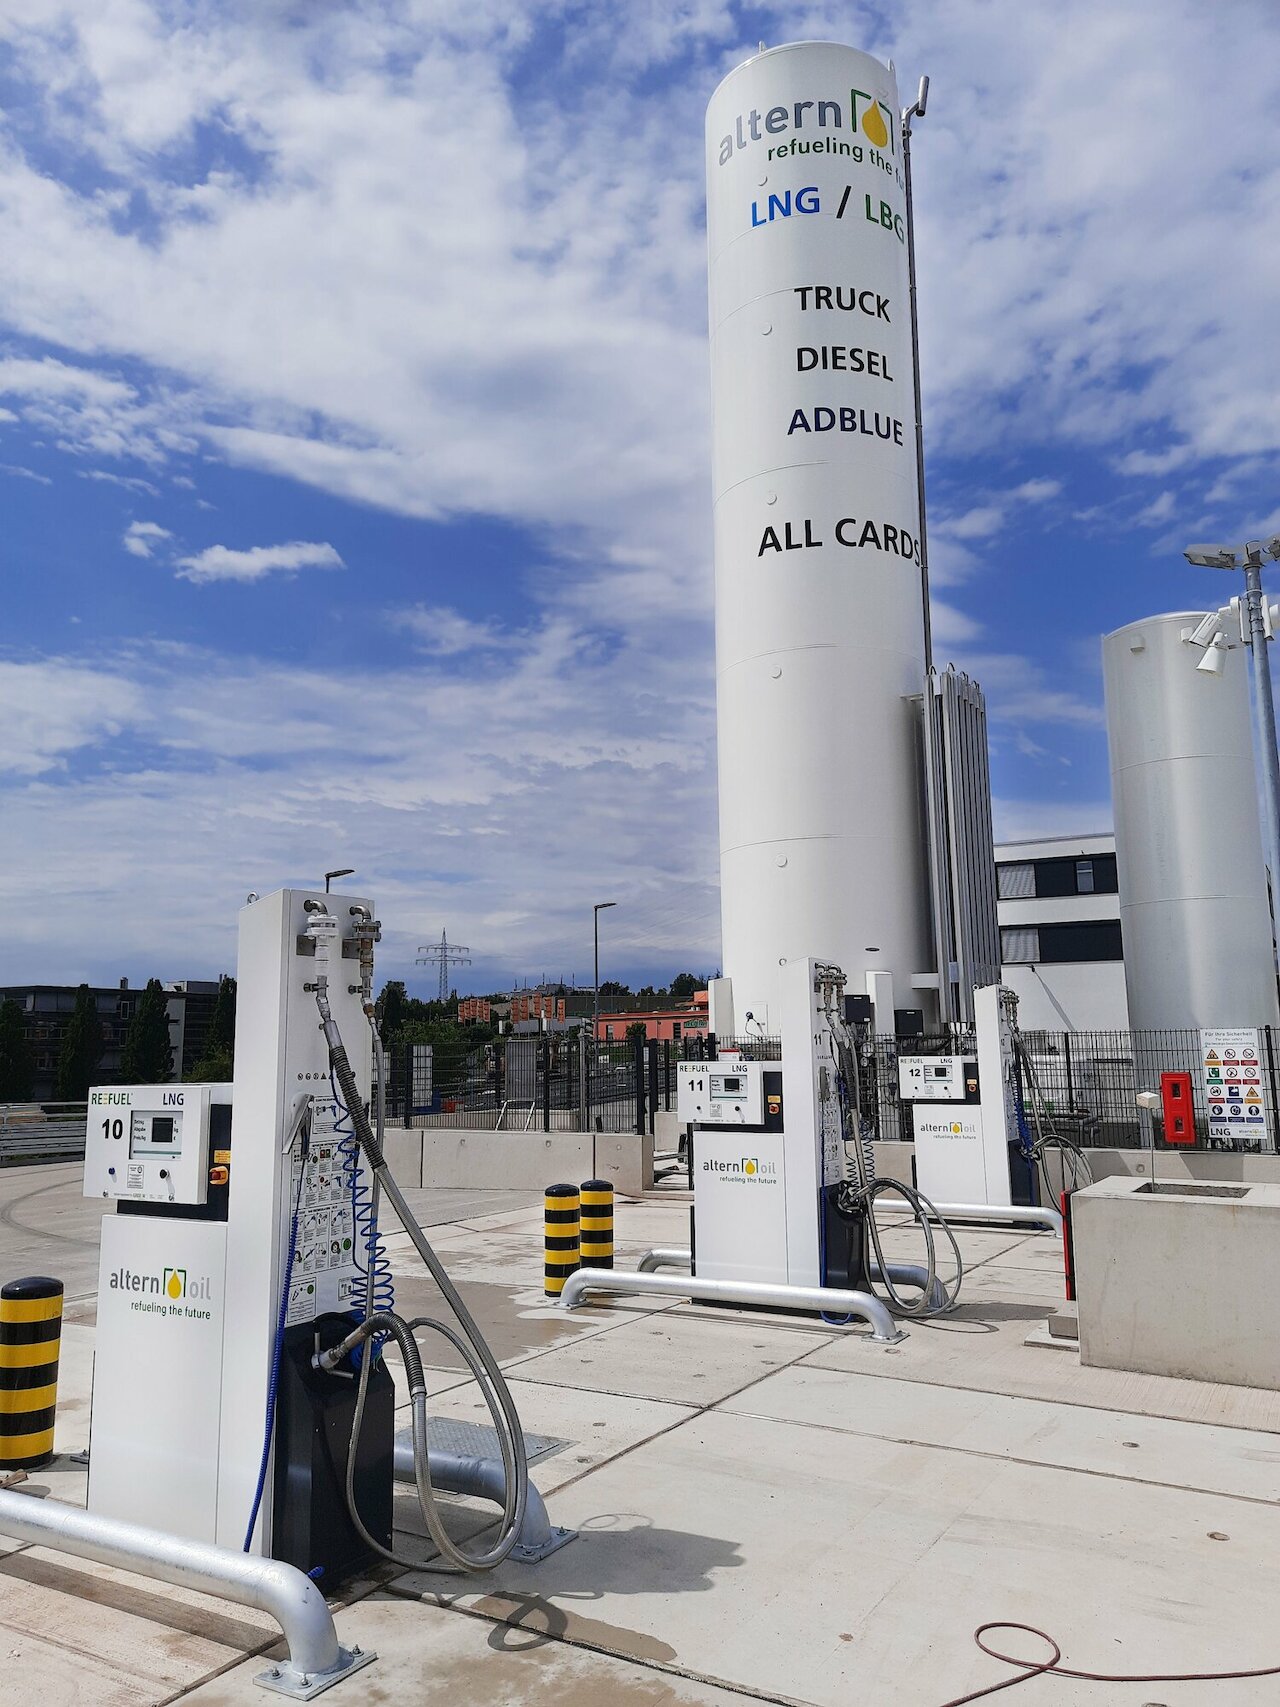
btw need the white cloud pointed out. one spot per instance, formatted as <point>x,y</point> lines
<point>141,538</point>
<point>49,709</point>
<point>444,632</point>
<point>978,523</point>
<point>223,563</point>
<point>20,472</point>
<point>1025,820</point>
<point>1036,491</point>
<point>130,482</point>
<point>1154,462</point>
<point>1158,511</point>
<point>492,803</point>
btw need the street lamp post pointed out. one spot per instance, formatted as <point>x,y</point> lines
<point>1249,557</point>
<point>596,911</point>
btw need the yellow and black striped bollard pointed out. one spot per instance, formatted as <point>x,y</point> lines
<point>560,1237</point>
<point>597,1223</point>
<point>30,1337</point>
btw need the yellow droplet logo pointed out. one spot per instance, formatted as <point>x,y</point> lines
<point>749,1167</point>
<point>874,126</point>
<point>175,1285</point>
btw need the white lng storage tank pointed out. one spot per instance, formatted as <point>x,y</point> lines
<point>820,635</point>
<point>1193,888</point>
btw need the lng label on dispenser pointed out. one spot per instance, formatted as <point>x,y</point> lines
<point>1234,1084</point>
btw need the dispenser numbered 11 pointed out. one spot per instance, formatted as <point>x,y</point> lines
<point>726,1092</point>
<point>149,1143</point>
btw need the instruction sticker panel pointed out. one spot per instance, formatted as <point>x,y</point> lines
<point>326,1275</point>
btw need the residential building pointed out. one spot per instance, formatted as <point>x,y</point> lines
<point>474,1010</point>
<point>536,1005</point>
<point>1059,911</point>
<point>47,1010</point>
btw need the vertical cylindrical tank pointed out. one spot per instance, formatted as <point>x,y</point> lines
<point>819,611</point>
<point>1194,912</point>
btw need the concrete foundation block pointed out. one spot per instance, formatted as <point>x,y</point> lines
<point>403,1151</point>
<point>627,1160</point>
<point>524,1161</point>
<point>1178,1277</point>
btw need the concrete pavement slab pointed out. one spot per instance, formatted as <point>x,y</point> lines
<point>1239,1462</point>
<point>430,1655</point>
<point>983,1349</point>
<point>856,1570</point>
<point>597,1426</point>
<point>155,1637</point>
<point>676,1355</point>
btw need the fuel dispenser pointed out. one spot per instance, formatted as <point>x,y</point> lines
<point>784,1181</point>
<point>240,1394</point>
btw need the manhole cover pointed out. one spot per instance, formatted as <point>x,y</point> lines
<point>479,1440</point>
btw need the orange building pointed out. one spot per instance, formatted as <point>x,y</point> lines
<point>474,1010</point>
<point>666,1025</point>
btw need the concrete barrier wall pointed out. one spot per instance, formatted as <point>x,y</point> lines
<point>894,1160</point>
<point>522,1161</point>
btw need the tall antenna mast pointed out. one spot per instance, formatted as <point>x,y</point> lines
<point>445,955</point>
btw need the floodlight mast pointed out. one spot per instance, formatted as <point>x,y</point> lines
<point>1249,557</point>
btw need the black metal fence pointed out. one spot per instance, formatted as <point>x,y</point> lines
<point>543,1082</point>
<point>564,1081</point>
<point>1088,1082</point>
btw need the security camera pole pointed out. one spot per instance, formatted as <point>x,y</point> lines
<point>1249,557</point>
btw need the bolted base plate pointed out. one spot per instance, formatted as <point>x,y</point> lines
<point>557,1539</point>
<point>305,1686</point>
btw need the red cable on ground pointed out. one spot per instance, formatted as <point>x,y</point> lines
<point>1052,1668</point>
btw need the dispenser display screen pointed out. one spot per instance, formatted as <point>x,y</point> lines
<point>155,1134</point>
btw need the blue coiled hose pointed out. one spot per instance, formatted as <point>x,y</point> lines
<point>368,1250</point>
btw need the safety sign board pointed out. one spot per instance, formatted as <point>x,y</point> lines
<point>1235,1086</point>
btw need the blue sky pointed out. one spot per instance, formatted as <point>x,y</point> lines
<point>354,439</point>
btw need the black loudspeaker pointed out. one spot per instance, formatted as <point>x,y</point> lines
<point>314,1415</point>
<point>908,1022</point>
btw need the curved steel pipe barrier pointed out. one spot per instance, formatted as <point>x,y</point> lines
<point>485,1479</point>
<point>316,1659</point>
<point>901,1273</point>
<point>1048,1220</point>
<point>821,1300</point>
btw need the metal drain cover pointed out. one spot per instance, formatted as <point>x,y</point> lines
<point>479,1440</point>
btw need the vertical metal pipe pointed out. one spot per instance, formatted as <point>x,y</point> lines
<point>917,111</point>
<point>1266,711</point>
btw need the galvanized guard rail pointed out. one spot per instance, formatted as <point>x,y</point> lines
<point>28,1134</point>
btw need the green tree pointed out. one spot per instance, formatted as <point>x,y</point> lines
<point>218,1055</point>
<point>82,1044</point>
<point>637,1032</point>
<point>391,1009</point>
<point>684,984</point>
<point>147,1056</point>
<point>17,1069</point>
